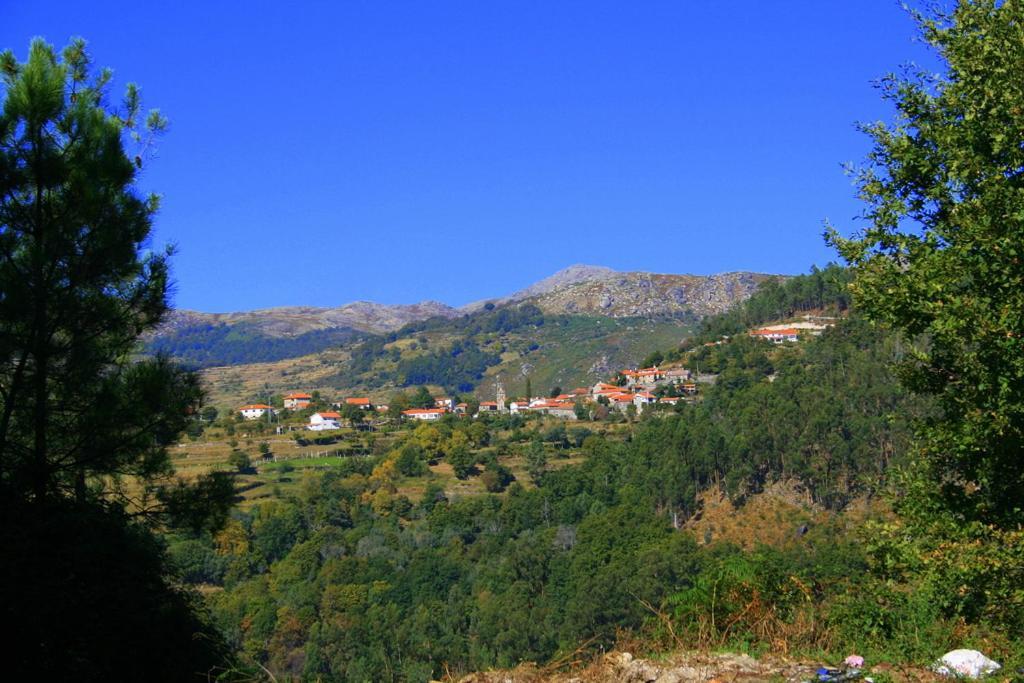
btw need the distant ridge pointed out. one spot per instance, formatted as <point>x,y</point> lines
<point>290,321</point>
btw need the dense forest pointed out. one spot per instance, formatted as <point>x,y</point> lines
<point>206,345</point>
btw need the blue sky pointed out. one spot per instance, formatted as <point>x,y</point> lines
<point>326,152</point>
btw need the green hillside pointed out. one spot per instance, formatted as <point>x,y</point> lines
<point>462,355</point>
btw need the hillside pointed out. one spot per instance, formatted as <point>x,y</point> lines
<point>205,340</point>
<point>729,522</point>
<point>461,355</point>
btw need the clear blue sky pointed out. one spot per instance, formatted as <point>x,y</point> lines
<point>326,152</point>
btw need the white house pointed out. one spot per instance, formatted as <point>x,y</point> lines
<point>424,413</point>
<point>255,411</point>
<point>321,422</point>
<point>644,398</point>
<point>775,336</point>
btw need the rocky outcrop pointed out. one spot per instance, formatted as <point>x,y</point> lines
<point>648,295</point>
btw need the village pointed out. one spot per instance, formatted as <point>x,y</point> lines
<point>629,391</point>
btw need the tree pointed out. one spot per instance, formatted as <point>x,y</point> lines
<point>422,398</point>
<point>654,358</point>
<point>462,460</point>
<point>354,414</point>
<point>941,257</point>
<point>940,262</point>
<point>240,461</point>
<point>77,415</point>
<point>555,391</point>
<point>411,460</point>
<point>536,461</point>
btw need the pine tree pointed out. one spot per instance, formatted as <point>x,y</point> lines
<point>84,428</point>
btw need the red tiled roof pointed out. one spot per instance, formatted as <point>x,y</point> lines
<point>357,401</point>
<point>423,411</point>
<point>330,416</point>
<point>785,332</point>
<point>299,396</point>
<point>256,406</point>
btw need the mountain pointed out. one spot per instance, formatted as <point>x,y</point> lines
<point>646,295</point>
<point>649,305</point>
<point>292,321</point>
<point>566,277</point>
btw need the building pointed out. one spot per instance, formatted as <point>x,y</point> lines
<point>297,401</point>
<point>320,422</point>
<point>556,408</point>
<point>644,398</point>
<point>424,413</point>
<point>361,403</point>
<point>669,400</point>
<point>488,407</point>
<point>645,377</point>
<point>777,336</point>
<point>444,402</point>
<point>620,401</point>
<point>603,389</point>
<point>255,411</point>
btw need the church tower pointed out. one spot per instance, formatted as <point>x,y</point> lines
<point>499,392</point>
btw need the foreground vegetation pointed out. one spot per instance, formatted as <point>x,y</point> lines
<point>378,568</point>
<point>858,491</point>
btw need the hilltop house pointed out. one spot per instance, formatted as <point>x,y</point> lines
<point>677,375</point>
<point>255,411</point>
<point>424,413</point>
<point>320,422</point>
<point>361,403</point>
<point>603,389</point>
<point>487,407</point>
<point>644,398</point>
<point>645,377</point>
<point>620,401</point>
<point>777,336</point>
<point>297,401</point>
<point>556,408</point>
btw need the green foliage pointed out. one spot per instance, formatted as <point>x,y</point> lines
<point>458,367</point>
<point>411,461</point>
<point>84,582</point>
<point>941,259</point>
<point>240,461</point>
<point>940,264</point>
<point>536,461</point>
<point>204,345</point>
<point>462,460</point>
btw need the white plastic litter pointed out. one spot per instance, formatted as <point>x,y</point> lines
<point>968,663</point>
